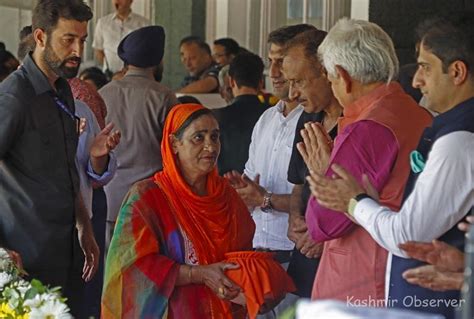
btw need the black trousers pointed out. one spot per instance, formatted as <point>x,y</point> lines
<point>70,279</point>
<point>93,289</point>
<point>303,271</point>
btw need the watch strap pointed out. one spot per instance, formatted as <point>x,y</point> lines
<point>353,202</point>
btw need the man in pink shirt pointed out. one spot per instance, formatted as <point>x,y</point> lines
<point>381,124</point>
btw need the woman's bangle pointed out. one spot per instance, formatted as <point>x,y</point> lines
<point>190,274</point>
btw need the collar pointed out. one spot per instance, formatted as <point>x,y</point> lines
<point>206,70</point>
<point>41,85</point>
<point>38,80</point>
<point>280,107</point>
<point>115,16</point>
<point>454,115</point>
<point>246,98</point>
<point>358,108</point>
<point>137,72</point>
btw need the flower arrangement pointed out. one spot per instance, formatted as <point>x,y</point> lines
<point>27,300</point>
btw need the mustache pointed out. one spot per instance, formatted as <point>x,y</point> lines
<point>73,59</point>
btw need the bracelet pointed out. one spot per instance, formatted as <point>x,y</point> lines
<point>190,274</point>
<point>267,202</point>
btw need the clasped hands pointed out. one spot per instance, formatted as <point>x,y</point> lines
<point>316,147</point>
<point>332,192</point>
<point>299,234</point>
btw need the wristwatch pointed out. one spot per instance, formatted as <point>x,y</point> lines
<point>353,202</point>
<point>267,202</point>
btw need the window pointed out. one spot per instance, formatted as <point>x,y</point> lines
<point>250,21</point>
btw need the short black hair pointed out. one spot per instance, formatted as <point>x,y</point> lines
<point>26,45</point>
<point>197,40</point>
<point>25,31</point>
<point>230,45</point>
<point>450,38</point>
<point>284,34</point>
<point>27,42</point>
<point>246,69</point>
<point>309,40</point>
<point>186,99</point>
<point>46,13</point>
<point>95,75</point>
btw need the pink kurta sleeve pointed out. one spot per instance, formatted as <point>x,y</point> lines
<point>364,147</point>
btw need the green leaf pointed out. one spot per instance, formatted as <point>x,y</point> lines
<point>35,283</point>
<point>31,293</point>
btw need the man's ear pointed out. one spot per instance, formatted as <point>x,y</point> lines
<point>174,143</point>
<point>261,85</point>
<point>40,37</point>
<point>232,82</point>
<point>459,72</point>
<point>344,75</point>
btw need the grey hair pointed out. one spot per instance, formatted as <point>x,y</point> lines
<point>222,74</point>
<point>361,48</point>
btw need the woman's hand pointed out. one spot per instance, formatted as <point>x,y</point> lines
<point>214,277</point>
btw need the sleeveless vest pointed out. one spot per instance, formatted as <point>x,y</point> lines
<point>353,267</point>
<point>401,293</point>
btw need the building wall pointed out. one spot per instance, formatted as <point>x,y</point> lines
<point>360,9</point>
<point>12,19</point>
<point>180,18</point>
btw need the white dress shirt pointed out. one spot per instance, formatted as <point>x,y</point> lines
<point>109,31</point>
<point>269,155</point>
<point>442,195</point>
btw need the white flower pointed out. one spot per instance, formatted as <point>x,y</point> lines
<point>34,302</point>
<point>40,299</point>
<point>6,264</point>
<point>4,254</point>
<point>5,279</point>
<point>23,286</point>
<point>51,309</point>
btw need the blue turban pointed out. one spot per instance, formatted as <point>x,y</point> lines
<point>144,47</point>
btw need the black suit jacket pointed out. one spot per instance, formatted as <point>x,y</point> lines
<point>236,122</point>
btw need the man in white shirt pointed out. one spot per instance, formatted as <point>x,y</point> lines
<point>264,186</point>
<point>111,29</point>
<point>439,191</point>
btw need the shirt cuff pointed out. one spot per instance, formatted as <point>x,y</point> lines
<point>364,210</point>
<point>106,176</point>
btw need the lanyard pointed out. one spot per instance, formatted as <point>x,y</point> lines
<point>76,119</point>
<point>64,107</point>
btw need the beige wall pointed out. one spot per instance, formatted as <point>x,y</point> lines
<point>360,9</point>
<point>12,20</point>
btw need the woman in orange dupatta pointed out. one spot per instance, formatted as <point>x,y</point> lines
<point>174,229</point>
